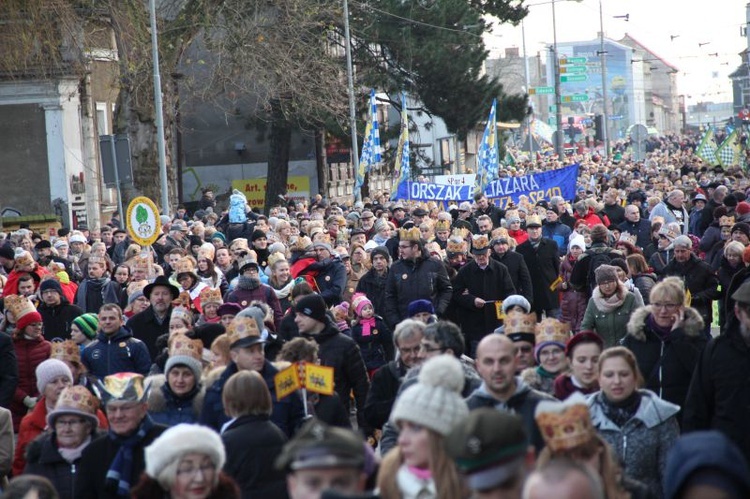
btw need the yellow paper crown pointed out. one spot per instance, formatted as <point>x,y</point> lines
<point>461,232</point>
<point>180,344</point>
<point>239,243</point>
<point>442,225</point>
<point>480,243</point>
<point>183,300</point>
<point>412,234</point>
<point>300,244</point>
<point>123,387</point>
<point>500,232</point>
<point>565,425</point>
<point>24,259</point>
<point>274,257</point>
<point>551,329</point>
<point>182,313</point>
<point>19,306</point>
<point>77,397</point>
<point>66,351</point>
<point>518,322</point>
<point>211,295</point>
<point>533,220</point>
<point>185,265</point>
<point>455,245</point>
<point>140,262</point>
<point>241,328</point>
<point>724,221</point>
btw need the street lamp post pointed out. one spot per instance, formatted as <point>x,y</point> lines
<point>558,93</point>
<point>603,59</point>
<point>528,86</point>
<point>350,86</point>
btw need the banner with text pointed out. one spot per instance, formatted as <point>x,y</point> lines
<point>537,186</point>
<point>254,189</point>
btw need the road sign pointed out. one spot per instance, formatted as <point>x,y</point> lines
<point>541,90</point>
<point>573,60</point>
<point>573,69</point>
<point>553,108</point>
<point>572,78</point>
<point>575,98</point>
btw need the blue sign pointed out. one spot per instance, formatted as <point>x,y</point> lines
<point>503,191</point>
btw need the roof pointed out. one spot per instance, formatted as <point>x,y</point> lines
<point>628,38</point>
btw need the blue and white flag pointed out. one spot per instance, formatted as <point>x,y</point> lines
<point>371,146</point>
<point>402,169</point>
<point>487,156</point>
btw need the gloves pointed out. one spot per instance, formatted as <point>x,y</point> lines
<point>29,402</point>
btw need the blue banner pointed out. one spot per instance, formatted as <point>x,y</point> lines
<point>537,186</point>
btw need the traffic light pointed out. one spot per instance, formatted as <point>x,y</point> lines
<point>599,127</point>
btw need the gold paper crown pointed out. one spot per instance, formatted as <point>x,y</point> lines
<point>140,262</point>
<point>123,387</point>
<point>480,243</point>
<point>630,238</point>
<point>98,260</point>
<point>239,243</point>
<point>77,398</point>
<point>300,244</point>
<point>19,306</point>
<point>500,232</point>
<point>66,351</point>
<point>55,267</point>
<point>323,237</point>
<point>442,225</point>
<point>207,251</point>
<point>724,221</point>
<point>551,329</point>
<point>455,244</point>
<point>185,265</point>
<point>533,220</point>
<point>519,322</point>
<point>180,344</point>
<point>412,234</point>
<point>512,214</point>
<point>183,300</point>
<point>24,259</point>
<point>565,425</point>
<point>241,328</point>
<point>182,313</point>
<point>211,295</point>
<point>274,257</point>
<point>461,232</point>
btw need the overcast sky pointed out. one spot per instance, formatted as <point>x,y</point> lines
<point>702,70</point>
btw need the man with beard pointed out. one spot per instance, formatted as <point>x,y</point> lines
<point>249,289</point>
<point>368,222</point>
<point>716,386</point>
<point>98,289</point>
<point>56,311</point>
<point>373,282</point>
<point>153,322</point>
<point>44,256</point>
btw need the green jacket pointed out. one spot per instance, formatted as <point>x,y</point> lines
<point>612,326</point>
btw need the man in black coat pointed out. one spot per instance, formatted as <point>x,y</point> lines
<point>153,322</point>
<point>8,371</point>
<point>415,276</point>
<point>717,199</point>
<point>335,350</point>
<point>56,311</point>
<point>636,226</point>
<point>516,265</point>
<point>373,282</point>
<point>477,286</point>
<point>543,262</point>
<point>484,207</point>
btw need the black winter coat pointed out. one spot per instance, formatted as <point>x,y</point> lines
<point>519,273</point>
<point>349,373</point>
<point>544,267</point>
<point>719,393</point>
<point>331,280</point>
<point>57,319</point>
<point>373,285</point>
<point>382,394</point>
<point>410,280</point>
<point>641,230</point>
<point>8,371</point>
<point>700,280</point>
<point>90,482</point>
<point>668,365</point>
<point>252,444</point>
<point>146,328</point>
<point>43,458</point>
<point>288,329</point>
<point>731,321</point>
<point>491,284</point>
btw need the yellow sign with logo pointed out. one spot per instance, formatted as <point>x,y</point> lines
<point>287,382</point>
<point>142,220</point>
<point>319,379</point>
<point>254,189</point>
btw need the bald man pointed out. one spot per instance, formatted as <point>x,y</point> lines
<point>501,388</point>
<point>563,479</point>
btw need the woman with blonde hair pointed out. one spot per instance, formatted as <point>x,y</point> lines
<point>419,467</point>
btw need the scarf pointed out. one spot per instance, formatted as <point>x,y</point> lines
<point>545,373</point>
<point>121,470</point>
<point>623,411</point>
<point>72,455</point>
<point>285,290</point>
<point>661,332</point>
<point>367,325</point>
<point>609,304</point>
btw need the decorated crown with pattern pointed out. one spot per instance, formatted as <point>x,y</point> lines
<point>533,220</point>
<point>66,350</point>
<point>412,234</point>
<point>24,259</point>
<point>211,295</point>
<point>183,314</point>
<point>323,237</point>
<point>242,328</point>
<point>183,300</point>
<point>239,243</point>
<point>565,425</point>
<point>300,244</point>
<point>77,400</point>
<point>275,257</point>
<point>726,221</point>
<point>500,232</point>
<point>185,265</point>
<point>461,232</point>
<point>99,260</point>
<point>123,387</point>
<point>519,322</point>
<point>455,245</point>
<point>442,225</point>
<point>140,261</point>
<point>479,243</point>
<point>552,330</point>
<point>18,306</point>
<point>181,345</point>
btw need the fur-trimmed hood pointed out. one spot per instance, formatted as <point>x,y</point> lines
<point>691,326</point>
<point>158,403</point>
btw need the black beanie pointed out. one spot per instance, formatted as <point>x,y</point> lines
<point>6,251</point>
<point>730,201</point>
<point>312,306</point>
<point>50,284</point>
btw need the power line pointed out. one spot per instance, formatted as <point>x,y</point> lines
<point>414,21</point>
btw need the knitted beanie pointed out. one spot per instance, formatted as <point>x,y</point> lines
<point>741,227</point>
<point>180,440</point>
<point>88,324</point>
<point>50,284</point>
<point>312,306</point>
<point>359,302</point>
<point>516,300</point>
<point>605,273</point>
<point>743,208</point>
<point>27,319</point>
<point>49,370</point>
<point>420,306</point>
<point>435,401</point>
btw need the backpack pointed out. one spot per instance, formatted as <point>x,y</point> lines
<point>237,202</point>
<point>597,257</point>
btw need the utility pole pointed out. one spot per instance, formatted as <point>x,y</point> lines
<point>350,87</point>
<point>159,111</point>
<point>558,92</point>
<point>603,59</point>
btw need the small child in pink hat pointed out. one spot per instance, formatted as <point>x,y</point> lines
<point>371,334</point>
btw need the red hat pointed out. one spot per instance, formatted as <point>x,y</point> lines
<point>742,208</point>
<point>582,337</point>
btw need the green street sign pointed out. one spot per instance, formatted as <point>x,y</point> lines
<point>553,108</point>
<point>572,78</point>
<point>541,90</point>
<point>573,69</point>
<point>575,98</point>
<point>573,60</point>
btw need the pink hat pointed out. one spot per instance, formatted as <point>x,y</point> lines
<point>360,301</point>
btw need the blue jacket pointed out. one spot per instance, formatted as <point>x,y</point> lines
<point>558,232</point>
<point>641,230</point>
<point>168,409</point>
<point>288,414</point>
<point>117,353</point>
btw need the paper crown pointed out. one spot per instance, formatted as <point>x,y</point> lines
<point>24,259</point>
<point>442,225</point>
<point>479,243</point>
<point>56,267</point>
<point>461,232</point>
<point>185,265</point>
<point>183,314</point>
<point>533,220</point>
<point>628,238</point>
<point>77,397</point>
<point>211,295</point>
<point>123,387</point>
<point>723,222</point>
<point>500,232</point>
<point>669,234</point>
<point>512,214</point>
<point>565,425</point>
<point>455,245</point>
<point>242,328</point>
<point>518,322</point>
<point>181,345</point>
<point>551,329</point>
<point>249,259</point>
<point>412,234</point>
<point>19,306</point>
<point>99,260</point>
<point>239,243</point>
<point>300,244</point>
<point>323,237</point>
<point>66,350</point>
<point>207,251</point>
<point>274,257</point>
<point>183,300</point>
<point>140,262</point>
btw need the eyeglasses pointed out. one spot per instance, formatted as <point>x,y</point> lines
<point>412,351</point>
<point>667,306</point>
<point>525,349</point>
<point>60,423</point>
<point>404,246</point>
<point>429,349</point>
<point>204,469</point>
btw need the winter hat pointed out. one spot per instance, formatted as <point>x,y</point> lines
<point>620,263</point>
<point>435,401</point>
<point>516,300</point>
<point>78,401</point>
<point>229,308</point>
<point>77,238</point>
<point>6,251</point>
<point>359,302</point>
<point>742,227</point>
<point>420,306</point>
<point>583,337</point>
<point>683,242</point>
<point>184,351</point>
<point>49,370</point>
<point>178,441</point>
<point>257,234</point>
<point>720,211</point>
<point>605,273</point>
<point>730,201</point>
<point>23,311</point>
<point>134,296</point>
<point>220,236</point>
<point>312,306</point>
<point>54,285</point>
<point>379,250</point>
<point>577,240</point>
<point>599,234</point>
<point>743,208</point>
<point>259,316</point>
<point>88,324</point>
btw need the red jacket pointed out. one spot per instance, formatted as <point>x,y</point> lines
<point>519,235</point>
<point>30,353</point>
<point>592,218</point>
<point>11,287</point>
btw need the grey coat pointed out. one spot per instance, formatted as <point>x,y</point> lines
<point>644,441</point>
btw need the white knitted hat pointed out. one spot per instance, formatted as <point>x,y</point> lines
<point>180,440</point>
<point>435,401</point>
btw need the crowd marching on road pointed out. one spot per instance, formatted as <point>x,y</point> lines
<point>592,347</point>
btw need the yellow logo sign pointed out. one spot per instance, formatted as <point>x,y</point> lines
<point>287,382</point>
<point>319,379</point>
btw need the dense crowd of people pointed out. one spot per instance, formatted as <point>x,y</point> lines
<point>594,347</point>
